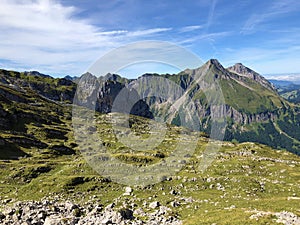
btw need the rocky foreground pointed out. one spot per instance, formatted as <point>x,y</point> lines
<point>52,212</point>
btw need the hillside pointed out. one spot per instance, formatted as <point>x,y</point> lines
<point>42,167</point>
<point>250,105</point>
<point>59,89</point>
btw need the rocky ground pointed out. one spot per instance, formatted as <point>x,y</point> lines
<point>53,212</point>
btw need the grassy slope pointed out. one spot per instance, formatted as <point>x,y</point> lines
<point>242,178</point>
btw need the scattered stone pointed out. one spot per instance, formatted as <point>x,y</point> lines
<point>154,205</point>
<point>126,214</point>
<point>175,204</point>
<point>173,192</point>
<point>89,213</point>
<point>2,216</point>
<point>284,217</point>
<point>128,191</point>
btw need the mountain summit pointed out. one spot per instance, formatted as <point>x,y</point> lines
<point>242,70</point>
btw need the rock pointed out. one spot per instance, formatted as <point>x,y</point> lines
<point>42,215</point>
<point>2,216</point>
<point>52,220</point>
<point>110,206</point>
<point>139,212</point>
<point>70,206</point>
<point>128,191</point>
<point>154,204</point>
<point>126,214</point>
<point>106,221</point>
<point>5,201</point>
<point>175,204</point>
<point>173,192</point>
<point>89,213</point>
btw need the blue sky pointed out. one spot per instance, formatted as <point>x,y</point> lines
<point>64,37</point>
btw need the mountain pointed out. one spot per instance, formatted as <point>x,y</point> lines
<point>242,70</point>
<point>46,180</point>
<point>288,90</point>
<point>237,101</point>
<point>58,89</point>
<point>281,83</point>
<point>74,79</point>
<point>251,106</point>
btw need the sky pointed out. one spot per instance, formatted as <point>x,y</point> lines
<point>65,37</point>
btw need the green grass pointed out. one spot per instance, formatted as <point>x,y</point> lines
<point>243,176</point>
<point>239,169</point>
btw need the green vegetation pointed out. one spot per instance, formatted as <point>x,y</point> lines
<point>39,158</point>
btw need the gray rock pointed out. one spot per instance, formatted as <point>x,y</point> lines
<point>52,220</point>
<point>154,204</point>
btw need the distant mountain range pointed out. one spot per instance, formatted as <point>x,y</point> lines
<point>281,83</point>
<point>288,89</point>
<point>252,107</point>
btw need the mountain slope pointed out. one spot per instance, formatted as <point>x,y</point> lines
<point>59,89</point>
<point>42,167</point>
<point>249,103</point>
<point>251,106</point>
<point>29,121</point>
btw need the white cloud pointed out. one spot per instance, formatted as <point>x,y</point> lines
<point>206,36</point>
<point>288,77</point>
<point>276,9</point>
<point>147,32</point>
<point>46,35</point>
<point>211,13</point>
<point>190,28</point>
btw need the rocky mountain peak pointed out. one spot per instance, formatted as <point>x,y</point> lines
<point>215,63</point>
<point>217,67</point>
<point>242,70</point>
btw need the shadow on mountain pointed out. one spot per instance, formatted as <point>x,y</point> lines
<point>9,151</point>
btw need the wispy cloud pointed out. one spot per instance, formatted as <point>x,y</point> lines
<point>211,13</point>
<point>147,32</point>
<point>208,36</point>
<point>190,28</point>
<point>46,35</point>
<point>276,9</point>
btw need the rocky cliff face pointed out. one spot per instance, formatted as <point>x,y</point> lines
<point>213,72</point>
<point>159,92</point>
<point>110,94</point>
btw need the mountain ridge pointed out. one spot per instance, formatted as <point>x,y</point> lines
<point>250,105</point>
